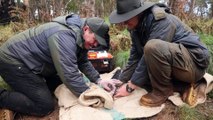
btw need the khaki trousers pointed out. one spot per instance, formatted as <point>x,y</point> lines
<point>167,62</point>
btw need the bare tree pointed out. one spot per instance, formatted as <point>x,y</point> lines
<point>191,7</point>
<point>211,8</point>
<point>88,8</point>
<point>177,7</point>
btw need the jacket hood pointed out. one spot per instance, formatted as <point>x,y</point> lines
<point>74,22</point>
<point>70,20</point>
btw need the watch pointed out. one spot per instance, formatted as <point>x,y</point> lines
<point>129,89</point>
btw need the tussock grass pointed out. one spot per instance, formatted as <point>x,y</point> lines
<point>201,25</point>
<point>3,84</point>
<point>187,113</point>
<point>5,33</point>
<point>210,67</point>
<point>121,58</point>
<point>207,39</point>
<point>120,44</point>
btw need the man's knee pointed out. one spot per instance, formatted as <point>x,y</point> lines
<point>154,45</point>
<point>45,108</point>
<point>44,103</point>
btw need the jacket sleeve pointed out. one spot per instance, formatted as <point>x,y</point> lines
<point>140,75</point>
<point>131,64</point>
<point>136,70</point>
<point>63,52</point>
<point>87,68</point>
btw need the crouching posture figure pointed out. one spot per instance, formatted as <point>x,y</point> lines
<point>164,50</point>
<point>34,62</point>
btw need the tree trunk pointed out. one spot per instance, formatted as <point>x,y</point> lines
<point>26,2</point>
<point>88,8</point>
<point>211,10</point>
<point>191,9</point>
<point>177,7</point>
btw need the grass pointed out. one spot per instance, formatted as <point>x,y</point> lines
<point>3,84</point>
<point>186,113</point>
<point>210,94</point>
<point>207,39</point>
<point>210,68</point>
<point>121,58</point>
<point>5,33</point>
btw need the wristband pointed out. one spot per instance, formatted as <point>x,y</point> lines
<point>129,89</point>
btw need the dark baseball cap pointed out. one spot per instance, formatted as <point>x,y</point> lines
<point>100,29</point>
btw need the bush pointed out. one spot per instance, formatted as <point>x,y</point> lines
<point>208,40</point>
<point>121,58</point>
<point>5,33</point>
<point>3,84</point>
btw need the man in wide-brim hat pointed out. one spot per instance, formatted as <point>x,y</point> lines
<point>163,50</point>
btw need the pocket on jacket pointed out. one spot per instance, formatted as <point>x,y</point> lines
<point>22,69</point>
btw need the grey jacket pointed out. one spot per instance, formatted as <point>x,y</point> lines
<point>168,28</point>
<point>53,48</point>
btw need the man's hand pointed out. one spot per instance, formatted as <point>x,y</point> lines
<point>122,91</point>
<point>107,85</point>
<point>110,85</point>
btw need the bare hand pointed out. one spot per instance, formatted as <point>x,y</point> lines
<point>121,92</point>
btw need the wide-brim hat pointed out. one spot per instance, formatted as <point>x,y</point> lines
<point>127,9</point>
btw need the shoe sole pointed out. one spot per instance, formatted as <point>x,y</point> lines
<point>142,103</point>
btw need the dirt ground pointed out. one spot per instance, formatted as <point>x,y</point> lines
<point>170,112</point>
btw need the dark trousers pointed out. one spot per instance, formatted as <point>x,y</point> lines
<point>167,62</point>
<point>31,94</point>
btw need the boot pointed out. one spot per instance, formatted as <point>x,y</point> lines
<point>154,99</point>
<point>180,87</point>
<point>190,96</point>
<point>6,114</point>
